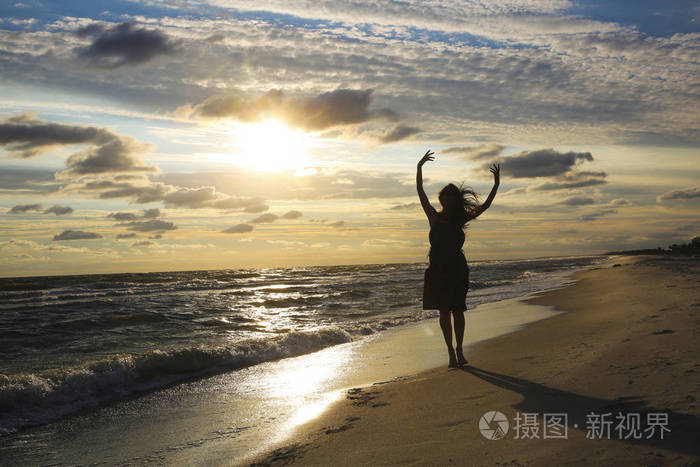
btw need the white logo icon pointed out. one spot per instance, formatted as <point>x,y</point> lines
<point>493,425</point>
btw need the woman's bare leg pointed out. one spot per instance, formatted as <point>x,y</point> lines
<point>446,326</point>
<point>459,335</point>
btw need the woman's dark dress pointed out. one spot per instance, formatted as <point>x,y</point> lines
<point>447,278</point>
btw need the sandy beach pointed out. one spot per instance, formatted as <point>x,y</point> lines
<point>613,381</point>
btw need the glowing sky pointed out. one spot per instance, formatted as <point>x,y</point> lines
<point>155,135</point>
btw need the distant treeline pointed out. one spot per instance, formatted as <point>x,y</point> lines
<point>690,248</point>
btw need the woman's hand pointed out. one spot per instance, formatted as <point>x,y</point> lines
<point>495,169</point>
<point>427,157</point>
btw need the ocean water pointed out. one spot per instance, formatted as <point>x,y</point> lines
<point>72,342</point>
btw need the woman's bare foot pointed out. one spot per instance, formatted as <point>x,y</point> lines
<point>461,361</point>
<point>453,359</point>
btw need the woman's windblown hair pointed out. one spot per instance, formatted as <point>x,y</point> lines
<point>459,203</point>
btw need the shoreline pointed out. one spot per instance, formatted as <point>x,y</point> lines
<point>622,357</point>
<point>236,415</point>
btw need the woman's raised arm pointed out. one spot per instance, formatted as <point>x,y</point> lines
<point>495,169</point>
<point>427,207</point>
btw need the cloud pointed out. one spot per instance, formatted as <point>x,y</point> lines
<point>59,210</point>
<point>146,191</point>
<point>398,133</point>
<point>142,244</point>
<point>26,207</point>
<point>117,155</point>
<point>542,163</point>
<point>256,207</point>
<point>337,224</point>
<point>402,207</point>
<point>318,183</point>
<point>577,201</point>
<point>265,218</point>
<point>320,112</point>
<point>27,137</point>
<point>76,235</point>
<point>595,215</point>
<point>122,216</point>
<point>481,151</point>
<point>139,193</point>
<point>27,181</point>
<point>573,180</point>
<point>291,215</point>
<point>208,197</point>
<point>128,235</point>
<point>239,228</point>
<point>387,243</point>
<point>153,225</point>
<point>130,216</point>
<point>123,44</point>
<point>685,193</point>
<point>562,167</point>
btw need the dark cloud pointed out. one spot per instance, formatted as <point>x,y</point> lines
<point>398,133</point>
<point>255,208</point>
<point>142,243</point>
<point>76,235</point>
<point>26,207</point>
<point>123,44</point>
<point>26,137</point>
<point>128,235</point>
<point>156,237</point>
<point>595,215</point>
<point>118,155</point>
<point>542,163</point>
<point>130,216</point>
<point>335,108</point>
<point>239,228</point>
<point>685,193</point>
<point>291,215</point>
<point>481,151</point>
<point>577,201</point>
<point>265,218</point>
<point>550,163</point>
<point>153,225</point>
<point>108,152</point>
<point>137,193</point>
<point>122,216</point>
<point>59,210</point>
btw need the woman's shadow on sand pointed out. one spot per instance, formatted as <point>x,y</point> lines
<point>540,399</point>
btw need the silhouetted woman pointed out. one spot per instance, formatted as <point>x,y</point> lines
<point>447,277</point>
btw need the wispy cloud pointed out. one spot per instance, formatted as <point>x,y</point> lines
<point>239,228</point>
<point>685,193</point>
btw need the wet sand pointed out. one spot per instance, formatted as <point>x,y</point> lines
<point>627,346</point>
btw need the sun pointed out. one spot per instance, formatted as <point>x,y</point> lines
<point>270,145</point>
